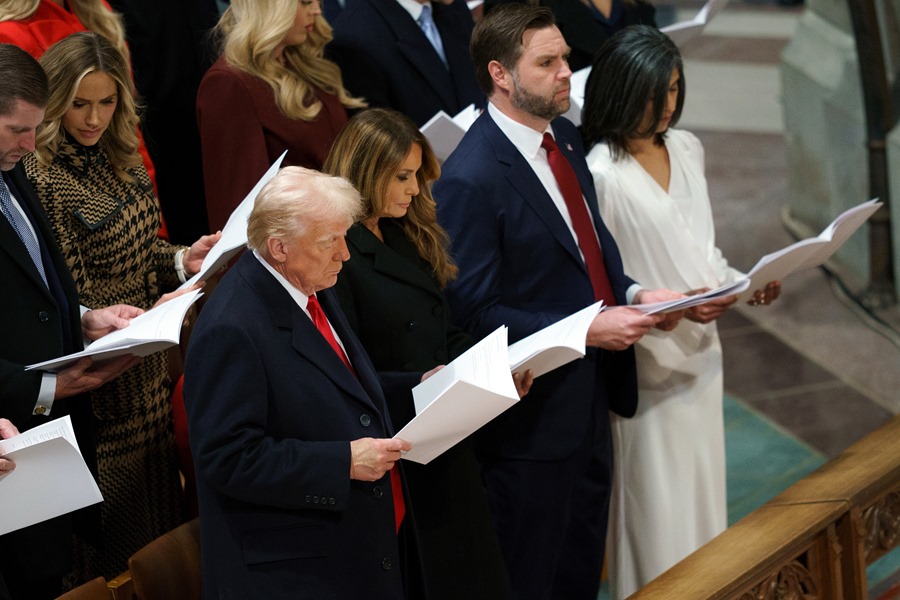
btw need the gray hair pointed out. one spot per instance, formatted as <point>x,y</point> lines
<point>297,199</point>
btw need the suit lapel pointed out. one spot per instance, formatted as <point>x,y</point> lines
<point>522,178</point>
<point>9,239</point>
<point>305,338</point>
<point>388,261</point>
<point>365,371</point>
<point>416,48</point>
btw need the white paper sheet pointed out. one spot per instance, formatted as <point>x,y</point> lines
<point>445,132</point>
<point>460,398</point>
<point>555,345</point>
<point>234,234</point>
<point>155,330</point>
<point>685,31</point>
<point>50,478</point>
<point>811,252</point>
<point>577,83</point>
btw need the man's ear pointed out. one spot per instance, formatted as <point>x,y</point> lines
<point>500,75</point>
<point>277,249</point>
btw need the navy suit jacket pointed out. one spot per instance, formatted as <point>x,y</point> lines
<point>272,409</point>
<point>520,266</point>
<point>385,57</point>
<point>38,325</point>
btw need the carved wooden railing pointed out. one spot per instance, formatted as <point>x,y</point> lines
<point>811,542</point>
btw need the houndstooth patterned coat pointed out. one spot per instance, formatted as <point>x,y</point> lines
<point>107,230</point>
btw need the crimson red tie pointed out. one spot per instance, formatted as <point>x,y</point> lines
<point>321,323</point>
<point>581,221</point>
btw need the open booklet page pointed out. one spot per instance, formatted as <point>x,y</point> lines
<point>234,234</point>
<point>555,345</point>
<point>50,478</point>
<point>684,31</point>
<point>811,252</point>
<point>460,398</point>
<point>155,330</point>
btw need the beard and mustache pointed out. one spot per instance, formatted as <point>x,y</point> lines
<point>544,107</point>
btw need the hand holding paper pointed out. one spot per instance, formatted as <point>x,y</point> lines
<point>155,330</point>
<point>102,321</point>
<point>371,458</point>
<point>728,289</point>
<point>50,479</point>
<point>7,430</point>
<point>554,346</point>
<point>460,398</point>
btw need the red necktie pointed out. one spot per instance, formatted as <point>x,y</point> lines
<point>581,221</point>
<point>321,323</point>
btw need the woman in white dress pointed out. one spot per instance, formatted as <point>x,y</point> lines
<point>668,494</point>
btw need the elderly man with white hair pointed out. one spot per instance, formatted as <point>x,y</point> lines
<point>299,489</point>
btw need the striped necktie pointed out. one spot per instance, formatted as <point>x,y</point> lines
<point>20,226</point>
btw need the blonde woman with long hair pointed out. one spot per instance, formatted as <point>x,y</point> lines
<point>35,25</point>
<point>271,90</point>
<point>88,175</point>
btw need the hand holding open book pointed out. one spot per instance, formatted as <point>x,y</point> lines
<point>154,330</point>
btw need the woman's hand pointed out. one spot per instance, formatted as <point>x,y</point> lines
<point>768,295</point>
<point>706,313</point>
<point>172,295</point>
<point>192,260</point>
<point>523,382</point>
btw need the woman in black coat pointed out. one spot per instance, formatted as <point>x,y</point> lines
<point>391,291</point>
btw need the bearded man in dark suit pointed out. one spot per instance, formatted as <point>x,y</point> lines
<point>524,232</point>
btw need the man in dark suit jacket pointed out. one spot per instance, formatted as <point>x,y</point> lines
<point>40,318</point>
<point>386,58</point>
<point>546,461</point>
<point>289,430</point>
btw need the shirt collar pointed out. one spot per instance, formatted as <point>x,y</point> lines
<point>413,7</point>
<point>299,297</point>
<point>524,138</point>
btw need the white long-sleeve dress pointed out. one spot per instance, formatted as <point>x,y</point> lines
<point>668,494</point>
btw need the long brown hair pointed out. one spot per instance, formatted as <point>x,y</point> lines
<point>368,152</point>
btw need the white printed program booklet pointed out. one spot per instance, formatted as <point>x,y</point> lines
<point>234,234</point>
<point>684,31</point>
<point>50,478</point>
<point>460,398</point>
<point>811,252</point>
<point>155,330</point>
<point>554,345</point>
<point>445,132</point>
